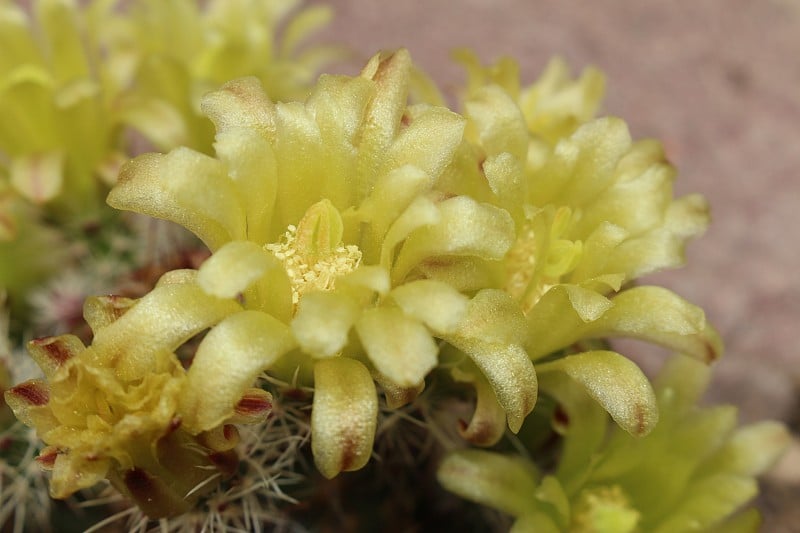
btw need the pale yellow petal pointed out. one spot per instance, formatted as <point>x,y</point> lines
<point>323,322</point>
<point>400,347</point>
<point>499,481</point>
<point>227,363</point>
<point>343,417</point>
<point>616,383</point>
<point>233,268</point>
<point>436,304</point>
<point>185,187</point>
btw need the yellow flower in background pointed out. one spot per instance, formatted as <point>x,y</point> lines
<point>24,235</point>
<point>169,54</point>
<point>553,107</point>
<point>77,77</point>
<point>58,134</point>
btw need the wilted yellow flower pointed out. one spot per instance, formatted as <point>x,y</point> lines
<point>326,216</point>
<point>113,410</point>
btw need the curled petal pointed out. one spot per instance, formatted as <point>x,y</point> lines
<point>500,123</point>
<point>487,336</point>
<point>648,313</point>
<point>420,213</point>
<point>391,195</point>
<point>658,315</point>
<point>227,363</point>
<point>254,407</point>
<point>400,347</point>
<point>397,396</point>
<point>344,415</point>
<point>71,474</point>
<point>488,422</point>
<point>221,438</point>
<point>465,228</point>
<point>374,279</point>
<point>29,401</point>
<point>428,142</point>
<point>252,167</point>
<point>382,120</point>
<point>171,314</point>
<point>616,383</point>
<point>510,372</point>
<point>186,187</point>
<point>240,103</point>
<point>493,316</point>
<point>47,458</point>
<point>582,165</point>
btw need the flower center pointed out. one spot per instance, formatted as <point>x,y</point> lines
<point>319,274</point>
<point>312,252</point>
<point>604,510</point>
<point>541,256</point>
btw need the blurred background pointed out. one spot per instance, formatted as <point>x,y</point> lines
<point>718,82</point>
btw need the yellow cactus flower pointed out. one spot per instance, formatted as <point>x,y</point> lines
<point>325,215</point>
<point>553,107</point>
<point>695,472</point>
<point>593,211</point>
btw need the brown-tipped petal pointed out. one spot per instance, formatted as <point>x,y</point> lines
<point>47,458</point>
<point>226,364</point>
<point>171,314</point>
<point>344,415</point>
<point>240,103</point>
<point>254,407</point>
<point>397,396</point>
<point>221,438</point>
<point>100,311</point>
<point>51,353</point>
<point>616,383</point>
<point>28,401</point>
<point>32,393</point>
<point>488,423</point>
